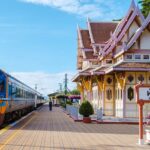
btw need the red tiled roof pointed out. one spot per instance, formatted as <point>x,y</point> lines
<point>85,38</point>
<point>101,30</point>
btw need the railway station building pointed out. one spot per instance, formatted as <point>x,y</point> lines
<point>112,58</point>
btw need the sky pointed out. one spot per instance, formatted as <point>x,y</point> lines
<point>38,38</point>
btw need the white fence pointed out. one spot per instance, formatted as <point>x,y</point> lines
<point>100,114</point>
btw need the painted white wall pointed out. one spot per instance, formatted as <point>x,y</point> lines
<point>85,64</point>
<point>135,46</point>
<point>132,29</point>
<point>118,49</point>
<point>125,38</point>
<point>95,97</point>
<point>118,102</point>
<point>145,40</point>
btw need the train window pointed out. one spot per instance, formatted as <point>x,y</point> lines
<point>27,94</point>
<point>18,92</point>
<point>21,93</point>
<point>10,89</point>
<point>24,94</point>
<point>2,84</point>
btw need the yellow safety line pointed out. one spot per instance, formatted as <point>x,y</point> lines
<point>5,129</point>
<point>13,135</point>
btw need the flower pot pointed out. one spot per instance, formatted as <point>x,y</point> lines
<point>86,119</point>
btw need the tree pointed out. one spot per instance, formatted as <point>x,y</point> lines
<point>75,92</point>
<point>145,7</point>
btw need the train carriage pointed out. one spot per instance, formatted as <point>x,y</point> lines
<point>16,98</point>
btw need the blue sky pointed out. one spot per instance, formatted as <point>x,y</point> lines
<point>39,36</point>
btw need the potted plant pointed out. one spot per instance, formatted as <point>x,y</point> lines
<point>86,109</point>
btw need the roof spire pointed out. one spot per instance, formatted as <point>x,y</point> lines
<point>78,27</point>
<point>88,19</point>
<point>132,4</point>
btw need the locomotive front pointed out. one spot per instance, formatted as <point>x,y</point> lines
<point>2,85</point>
<point>3,102</point>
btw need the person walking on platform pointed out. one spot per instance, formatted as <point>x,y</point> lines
<point>50,105</point>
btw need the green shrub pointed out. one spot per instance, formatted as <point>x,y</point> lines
<point>69,102</point>
<point>86,109</point>
<point>63,105</point>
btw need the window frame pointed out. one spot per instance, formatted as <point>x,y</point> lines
<point>136,55</point>
<point>129,55</point>
<point>146,55</point>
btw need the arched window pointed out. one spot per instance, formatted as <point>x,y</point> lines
<point>109,80</point>
<point>130,93</point>
<point>109,94</point>
<point>130,78</point>
<point>141,78</point>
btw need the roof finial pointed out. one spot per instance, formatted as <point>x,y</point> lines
<point>132,4</point>
<point>88,19</point>
<point>78,27</point>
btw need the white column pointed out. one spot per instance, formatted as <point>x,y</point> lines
<point>103,101</point>
<point>124,101</point>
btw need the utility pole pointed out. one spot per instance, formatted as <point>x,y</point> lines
<point>65,87</point>
<point>35,101</point>
<point>36,87</point>
<point>66,84</point>
<point>60,87</point>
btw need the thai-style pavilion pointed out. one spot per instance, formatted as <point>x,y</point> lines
<point>112,58</point>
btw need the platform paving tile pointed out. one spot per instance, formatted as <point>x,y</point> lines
<point>45,130</point>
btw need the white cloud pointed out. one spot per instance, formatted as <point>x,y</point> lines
<point>46,82</point>
<point>84,8</point>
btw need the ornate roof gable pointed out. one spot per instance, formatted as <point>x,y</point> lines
<point>85,51</point>
<point>79,52</point>
<point>80,37</point>
<point>138,32</point>
<point>122,28</point>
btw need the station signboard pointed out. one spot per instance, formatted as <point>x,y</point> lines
<point>143,93</point>
<point>142,97</point>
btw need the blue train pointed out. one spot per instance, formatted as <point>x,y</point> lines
<point>16,98</point>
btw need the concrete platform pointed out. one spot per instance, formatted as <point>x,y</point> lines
<point>45,130</point>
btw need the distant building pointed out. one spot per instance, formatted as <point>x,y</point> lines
<point>112,58</point>
<point>52,97</point>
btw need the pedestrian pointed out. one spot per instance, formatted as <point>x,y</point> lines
<point>50,105</point>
